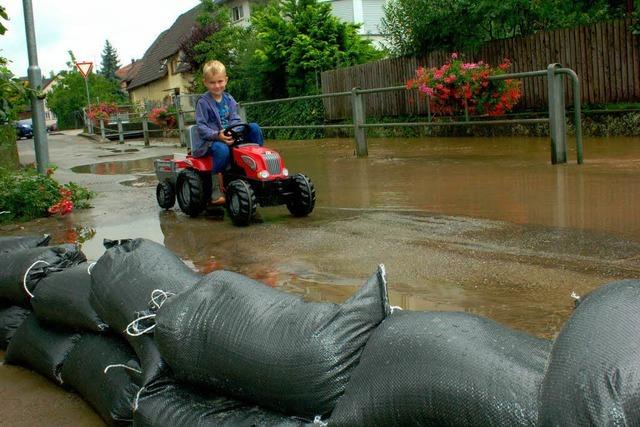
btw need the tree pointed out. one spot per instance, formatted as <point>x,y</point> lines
<point>213,37</point>
<point>416,27</point>
<point>299,39</point>
<point>110,62</point>
<point>68,97</point>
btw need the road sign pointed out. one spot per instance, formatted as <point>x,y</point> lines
<point>84,68</point>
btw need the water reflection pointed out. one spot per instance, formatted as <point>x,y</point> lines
<point>507,179</point>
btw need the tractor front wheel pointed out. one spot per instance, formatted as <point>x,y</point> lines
<point>241,202</point>
<point>193,191</point>
<point>303,198</point>
<point>166,195</point>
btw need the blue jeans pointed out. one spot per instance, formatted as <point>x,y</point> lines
<point>221,153</point>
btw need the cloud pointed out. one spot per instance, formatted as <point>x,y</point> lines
<point>83,26</point>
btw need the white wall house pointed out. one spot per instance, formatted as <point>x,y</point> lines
<point>368,13</point>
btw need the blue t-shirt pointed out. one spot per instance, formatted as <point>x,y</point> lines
<point>223,111</point>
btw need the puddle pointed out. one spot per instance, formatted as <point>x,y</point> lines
<point>124,167</point>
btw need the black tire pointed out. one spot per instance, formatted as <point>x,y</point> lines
<point>193,191</point>
<point>303,199</point>
<point>241,202</point>
<point>165,195</point>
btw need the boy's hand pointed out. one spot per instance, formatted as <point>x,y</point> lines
<point>227,139</point>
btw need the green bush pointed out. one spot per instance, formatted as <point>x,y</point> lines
<point>8,148</point>
<point>25,194</point>
<point>303,112</point>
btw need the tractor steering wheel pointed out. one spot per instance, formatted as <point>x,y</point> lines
<point>237,132</point>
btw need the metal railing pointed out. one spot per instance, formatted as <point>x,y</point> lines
<point>556,115</point>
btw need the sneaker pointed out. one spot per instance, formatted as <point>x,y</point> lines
<point>218,202</point>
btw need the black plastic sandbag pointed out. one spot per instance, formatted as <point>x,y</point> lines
<point>244,339</point>
<point>39,348</point>
<point>34,263</point>
<point>10,320</point>
<point>122,281</point>
<point>125,275</point>
<point>444,368</point>
<point>62,299</point>
<point>18,243</point>
<point>110,393</point>
<point>593,377</point>
<point>168,404</point>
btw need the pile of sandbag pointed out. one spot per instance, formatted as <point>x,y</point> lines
<point>145,340</point>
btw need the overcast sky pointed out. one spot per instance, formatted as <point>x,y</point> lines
<point>83,26</point>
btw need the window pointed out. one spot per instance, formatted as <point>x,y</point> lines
<point>237,13</point>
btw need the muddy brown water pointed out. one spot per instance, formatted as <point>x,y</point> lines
<point>483,225</point>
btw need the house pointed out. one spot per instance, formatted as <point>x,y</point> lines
<point>127,73</point>
<point>162,74</point>
<point>367,13</point>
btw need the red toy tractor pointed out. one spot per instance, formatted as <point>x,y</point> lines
<point>256,176</point>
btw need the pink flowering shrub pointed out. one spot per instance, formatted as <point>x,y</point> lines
<point>164,117</point>
<point>457,83</point>
<point>101,111</point>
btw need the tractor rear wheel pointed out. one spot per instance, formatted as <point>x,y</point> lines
<point>303,199</point>
<point>193,191</point>
<point>165,195</point>
<point>241,202</point>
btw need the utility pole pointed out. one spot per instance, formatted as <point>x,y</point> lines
<point>35,82</point>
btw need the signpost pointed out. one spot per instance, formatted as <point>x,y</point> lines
<point>85,69</point>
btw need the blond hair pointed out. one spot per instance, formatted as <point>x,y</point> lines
<point>213,67</point>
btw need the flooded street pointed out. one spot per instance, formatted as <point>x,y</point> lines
<point>486,226</point>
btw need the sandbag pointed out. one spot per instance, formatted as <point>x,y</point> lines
<point>247,340</point>
<point>125,275</point>
<point>110,393</point>
<point>122,281</point>
<point>18,243</point>
<point>593,377</point>
<point>30,266</point>
<point>444,368</point>
<point>167,404</point>
<point>41,349</point>
<point>62,299</point>
<point>10,319</point>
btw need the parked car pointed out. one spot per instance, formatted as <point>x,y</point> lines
<point>24,129</point>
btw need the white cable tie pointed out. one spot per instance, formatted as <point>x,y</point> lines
<point>135,401</point>
<point>317,421</point>
<point>575,296</point>
<point>395,307</point>
<point>156,293</point>
<point>133,330</point>
<point>24,279</point>
<point>90,267</point>
<point>119,365</point>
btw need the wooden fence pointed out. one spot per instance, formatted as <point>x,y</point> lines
<point>606,57</point>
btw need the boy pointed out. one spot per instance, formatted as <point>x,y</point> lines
<point>215,110</point>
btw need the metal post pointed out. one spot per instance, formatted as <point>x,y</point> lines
<point>86,86</point>
<point>120,131</point>
<point>242,112</point>
<point>102,132</point>
<point>35,81</point>
<point>145,130</point>
<point>358,121</point>
<point>181,130</point>
<point>557,123</point>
